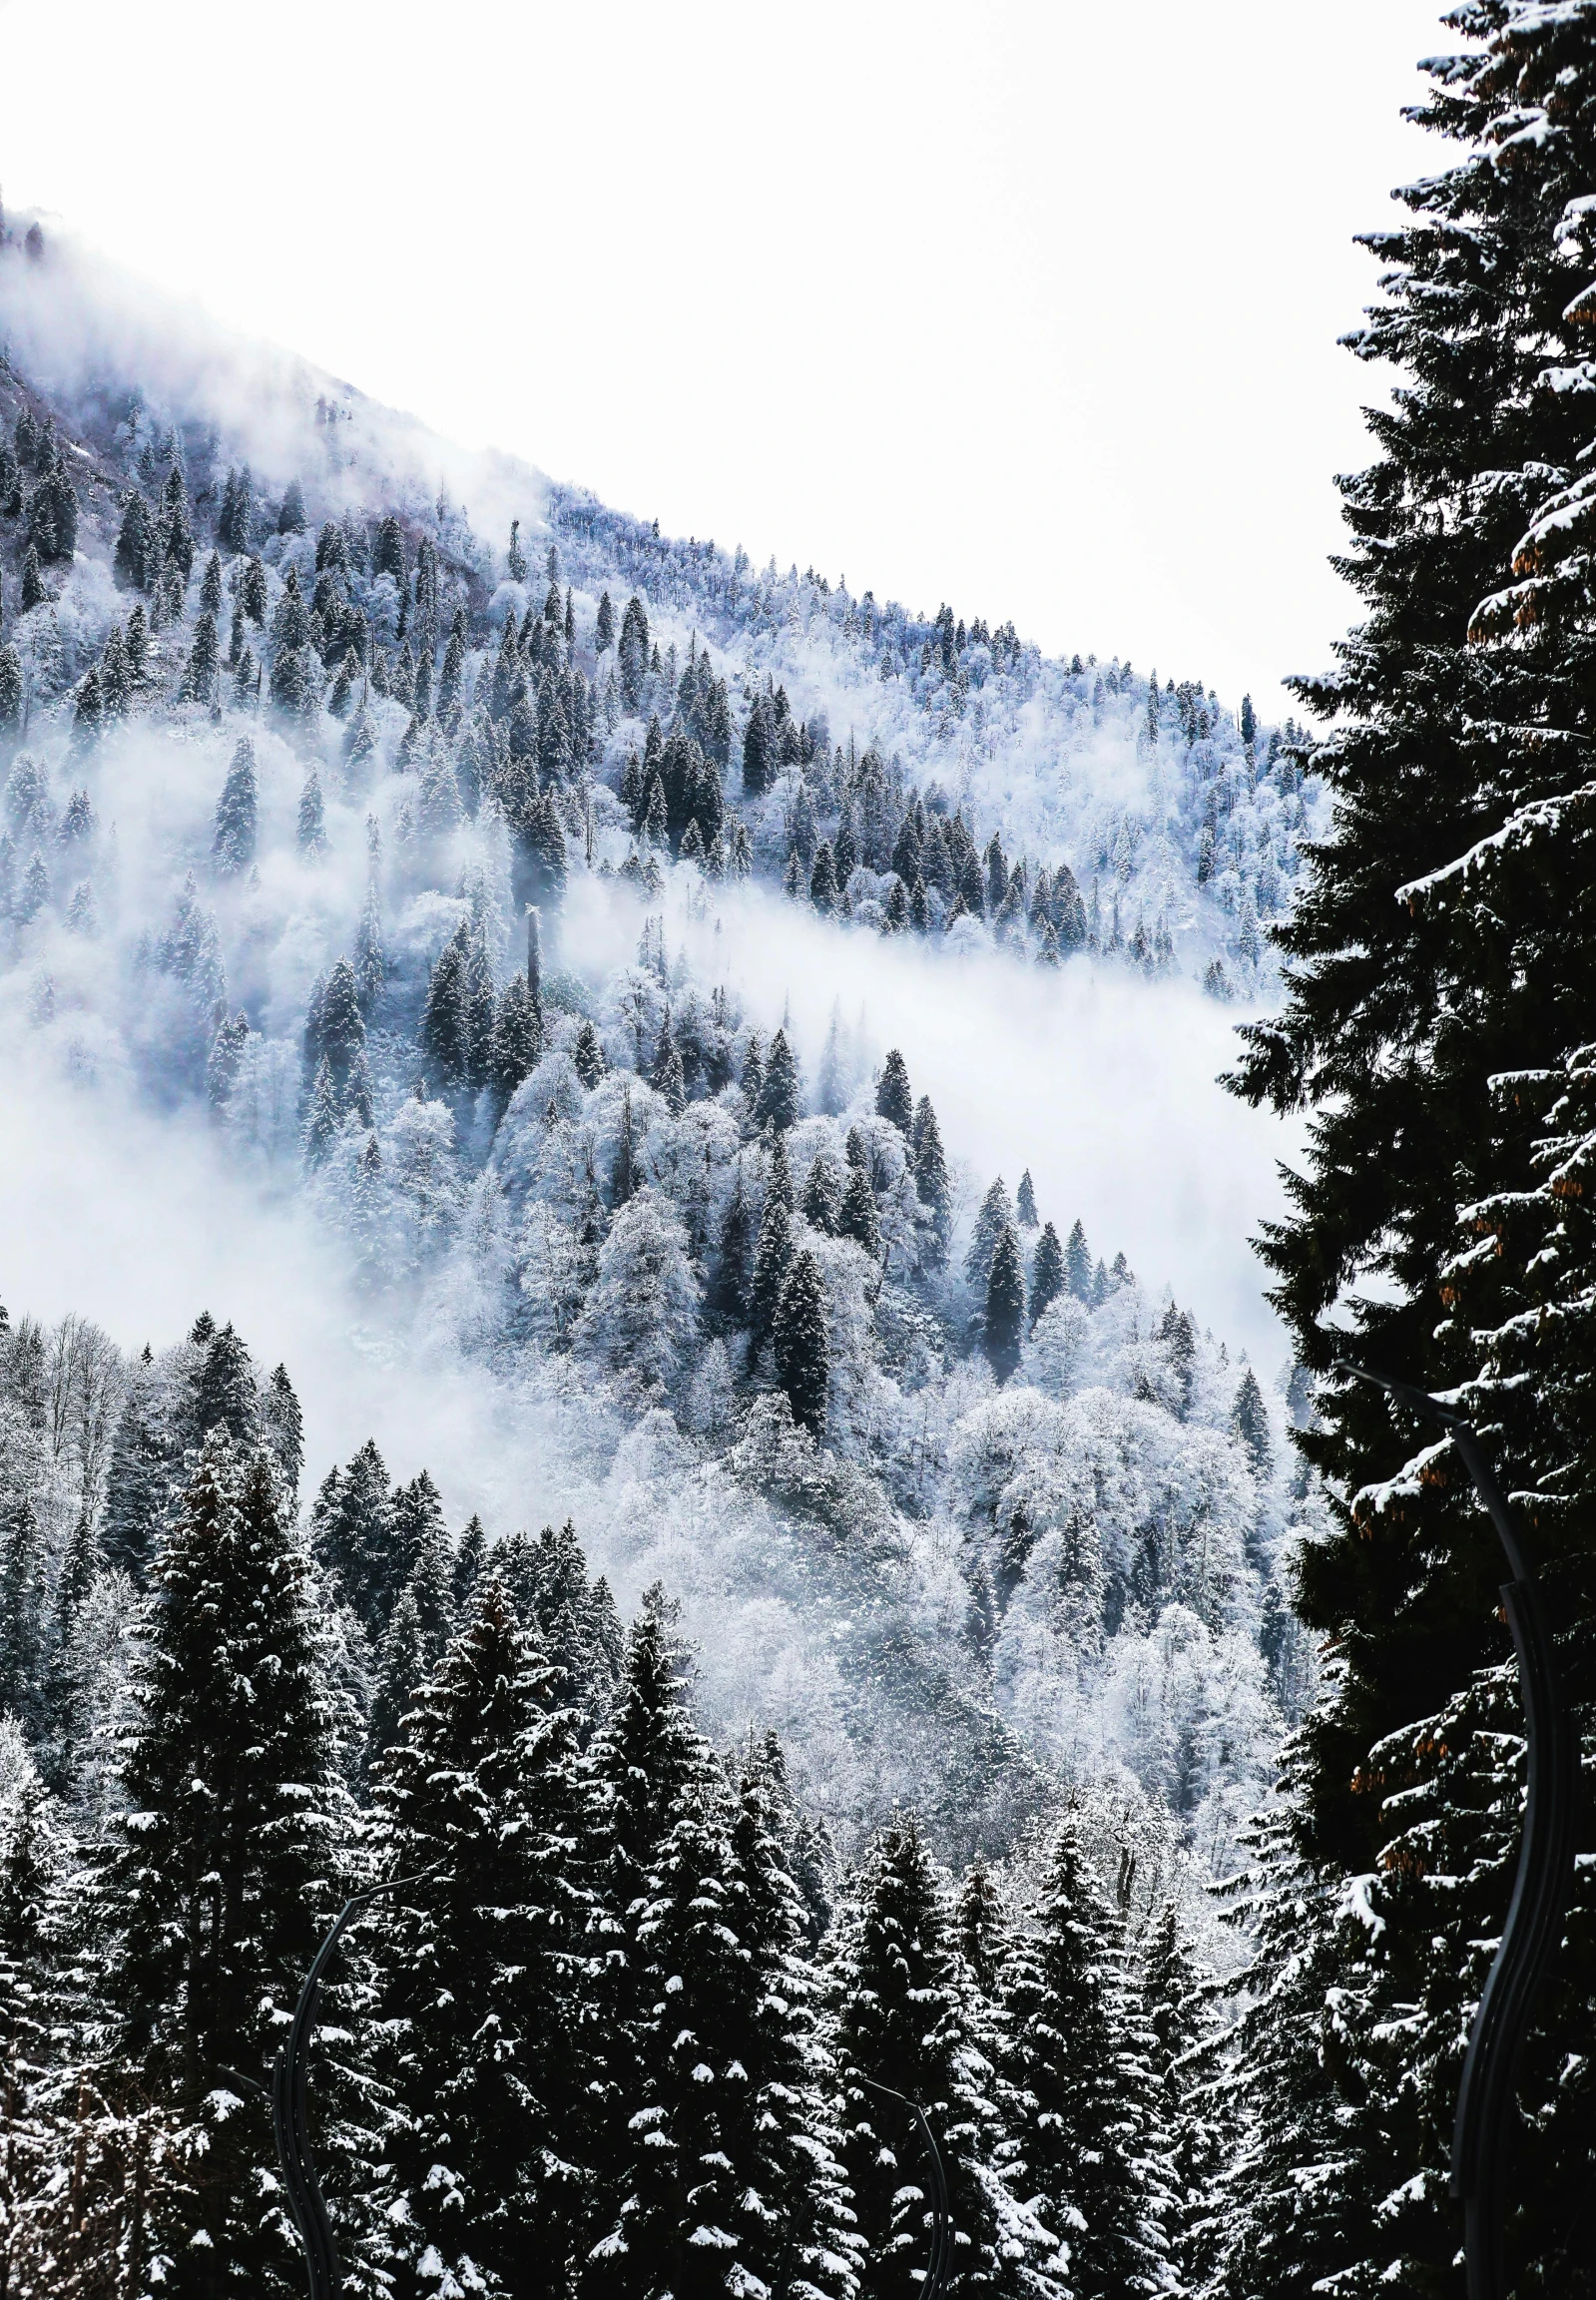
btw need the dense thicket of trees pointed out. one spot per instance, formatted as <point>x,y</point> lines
<point>623,2032</point>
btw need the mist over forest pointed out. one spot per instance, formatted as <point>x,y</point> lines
<point>676,1250</point>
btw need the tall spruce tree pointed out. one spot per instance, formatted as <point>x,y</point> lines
<point>517,1043</point>
<point>773,1255</point>
<point>726,1299</point>
<point>221,1865</point>
<point>1078,1263</point>
<point>899,2019</point>
<point>894,1099</point>
<point>233,847</point>
<point>1047,1271</point>
<point>801,1343</point>
<point>726,2184</point>
<point>932,1182</point>
<point>1429,958</point>
<point>480,1999</point>
<point>994,1216</point>
<point>858,1217</point>
<point>781,1097</point>
<point>352,1527</point>
<point>226,1394</point>
<point>648,1763</point>
<point>1003,1327</point>
<point>1078,2120</point>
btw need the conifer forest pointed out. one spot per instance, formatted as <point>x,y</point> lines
<point>841,1637</point>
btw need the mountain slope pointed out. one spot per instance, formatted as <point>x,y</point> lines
<point>292,749</point>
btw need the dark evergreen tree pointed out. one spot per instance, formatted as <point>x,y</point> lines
<point>312,832</point>
<point>758,750</point>
<point>586,1057</point>
<point>423,1615</point>
<point>22,1608</point>
<point>1410,1000</point>
<point>900,2020</point>
<point>1047,1272</point>
<point>751,1077</point>
<point>728,1296</point>
<point>858,1218</point>
<point>623,1178</point>
<point>282,1428</point>
<point>1004,1328</point>
<point>1078,2123</point>
<point>481,2013</point>
<point>53,517</point>
<point>933,1182</point>
<point>12,690</point>
<point>88,710</point>
<point>233,522</point>
<point>322,1116</point>
<point>771,1258</point>
<point>648,1763</point>
<point>457,1016</point>
<point>215,1885</point>
<point>633,653</point>
<point>892,1096</point>
<point>666,1077</point>
<point>470,1557</point>
<point>1179,1337</point>
<point>421,1541</point>
<point>146,1459</point>
<point>226,1394</point>
<point>133,543</point>
<point>35,591</point>
<point>517,1046</point>
<point>800,1341</point>
<point>997,1214</point>
<point>823,1195</point>
<point>65,1691</point>
<point>573,1618</point>
<point>403,1664</point>
<point>340,1026</point>
<point>1025,1202</point>
<point>781,1097</point>
<point>1195,2127</point>
<point>728,2185</point>
<point>1274,2221</point>
<point>352,1528</point>
<point>1249,1421</point>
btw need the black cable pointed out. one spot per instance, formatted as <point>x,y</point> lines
<point>934,2282</point>
<point>291,2121</point>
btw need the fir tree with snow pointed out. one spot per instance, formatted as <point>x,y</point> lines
<point>211,1895</point>
<point>799,1342</point>
<point>232,848</point>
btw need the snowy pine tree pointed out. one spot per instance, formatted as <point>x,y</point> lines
<point>212,1892</point>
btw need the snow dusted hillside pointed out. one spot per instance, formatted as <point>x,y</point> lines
<point>1178,819</point>
<point>647,1228</point>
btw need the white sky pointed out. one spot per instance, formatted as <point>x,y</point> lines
<point>1031,306</point>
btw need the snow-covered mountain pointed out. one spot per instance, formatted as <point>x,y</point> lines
<point>301,708</point>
